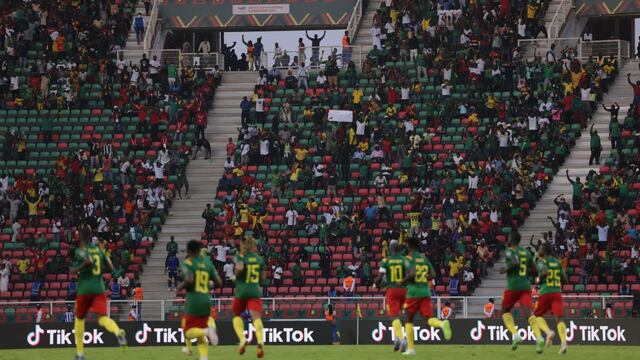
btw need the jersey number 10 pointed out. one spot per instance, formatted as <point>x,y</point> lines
<point>396,273</point>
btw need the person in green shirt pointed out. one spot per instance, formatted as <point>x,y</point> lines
<point>392,271</point>
<point>249,275</point>
<point>296,274</point>
<point>518,266</point>
<point>198,272</point>
<point>596,146</point>
<point>552,276</point>
<point>419,270</point>
<point>577,192</point>
<point>89,263</point>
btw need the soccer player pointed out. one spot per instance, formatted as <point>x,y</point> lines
<point>419,270</point>
<point>89,263</point>
<point>248,269</point>
<point>519,263</point>
<point>198,272</point>
<point>551,276</point>
<point>393,270</point>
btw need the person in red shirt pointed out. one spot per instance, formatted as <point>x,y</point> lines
<point>201,123</point>
<point>231,148</point>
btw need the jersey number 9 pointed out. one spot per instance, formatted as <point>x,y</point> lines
<point>202,281</point>
<point>253,275</point>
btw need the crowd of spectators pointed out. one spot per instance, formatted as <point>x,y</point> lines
<point>120,179</point>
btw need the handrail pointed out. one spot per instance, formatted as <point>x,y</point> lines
<point>355,52</point>
<point>554,28</point>
<point>151,26</point>
<point>354,20</point>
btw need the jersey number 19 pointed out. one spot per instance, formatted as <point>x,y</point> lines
<point>202,281</point>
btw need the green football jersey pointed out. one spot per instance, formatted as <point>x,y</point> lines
<point>90,279</point>
<point>419,287</point>
<point>394,268</point>
<point>248,282</point>
<point>552,283</point>
<point>517,278</point>
<point>198,300</point>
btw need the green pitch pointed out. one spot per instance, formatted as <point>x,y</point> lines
<point>375,352</point>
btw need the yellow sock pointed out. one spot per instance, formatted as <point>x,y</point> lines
<point>408,328</point>
<point>211,323</point>
<point>562,331</point>
<point>194,333</point>
<point>78,326</point>
<point>542,325</point>
<point>257,323</point>
<point>433,322</point>
<point>509,323</point>
<point>187,343</point>
<point>109,324</point>
<point>397,329</point>
<point>534,326</point>
<point>238,326</point>
<point>203,347</point>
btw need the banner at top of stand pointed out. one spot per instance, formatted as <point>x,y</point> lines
<point>606,7</point>
<point>256,14</point>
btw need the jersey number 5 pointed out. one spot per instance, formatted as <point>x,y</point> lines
<point>202,281</point>
<point>523,267</point>
<point>253,275</point>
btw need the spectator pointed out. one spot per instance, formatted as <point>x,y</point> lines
<point>221,255</point>
<point>72,289</point>
<point>348,285</point>
<point>489,309</point>
<point>68,316</point>
<point>315,47</point>
<point>447,312</point>
<point>330,316</point>
<point>138,296</point>
<point>138,26</point>
<point>210,219</point>
<point>124,283</point>
<point>277,275</point>
<point>133,314</point>
<point>596,147</point>
<point>116,290</point>
<point>229,273</point>
<point>39,314</point>
<point>173,265</point>
<point>4,277</point>
<point>296,274</point>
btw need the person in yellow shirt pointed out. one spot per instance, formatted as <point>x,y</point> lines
<point>352,136</point>
<point>23,265</point>
<point>244,216</point>
<point>357,96</point>
<point>363,145</point>
<point>394,16</point>
<point>312,205</point>
<point>300,153</point>
<point>455,264</point>
<point>391,111</point>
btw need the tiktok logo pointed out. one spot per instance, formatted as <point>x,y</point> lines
<point>34,337</point>
<point>571,331</point>
<point>476,332</point>
<point>143,335</point>
<point>378,334</point>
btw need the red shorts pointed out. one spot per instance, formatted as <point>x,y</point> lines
<point>550,302</point>
<point>194,321</point>
<point>422,305</point>
<point>94,302</point>
<point>239,305</point>
<point>395,298</point>
<point>511,297</point>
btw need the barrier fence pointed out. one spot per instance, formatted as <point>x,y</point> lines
<point>463,307</point>
<point>530,48</point>
<point>319,332</point>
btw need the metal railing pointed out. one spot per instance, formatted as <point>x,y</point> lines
<point>354,21</point>
<point>559,18</point>
<point>583,49</point>
<point>175,57</point>
<point>147,42</point>
<point>307,306</point>
<point>313,57</point>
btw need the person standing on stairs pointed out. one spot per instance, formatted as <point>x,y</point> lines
<point>577,192</point>
<point>147,7</point>
<point>138,26</point>
<point>596,146</point>
<point>636,90</point>
<point>614,125</point>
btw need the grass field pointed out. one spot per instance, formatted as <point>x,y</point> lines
<point>374,352</point>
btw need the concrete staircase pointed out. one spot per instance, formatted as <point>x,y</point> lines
<point>186,222</point>
<point>363,36</point>
<point>132,44</point>
<point>578,165</point>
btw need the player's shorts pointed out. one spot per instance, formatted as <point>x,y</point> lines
<point>239,305</point>
<point>512,297</point>
<point>94,302</point>
<point>550,302</point>
<point>195,321</point>
<point>422,305</point>
<point>395,299</point>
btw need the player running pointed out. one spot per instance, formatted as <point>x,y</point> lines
<point>519,262</point>
<point>393,270</point>
<point>419,270</point>
<point>198,272</point>
<point>89,263</point>
<point>551,277</point>
<point>248,269</point>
